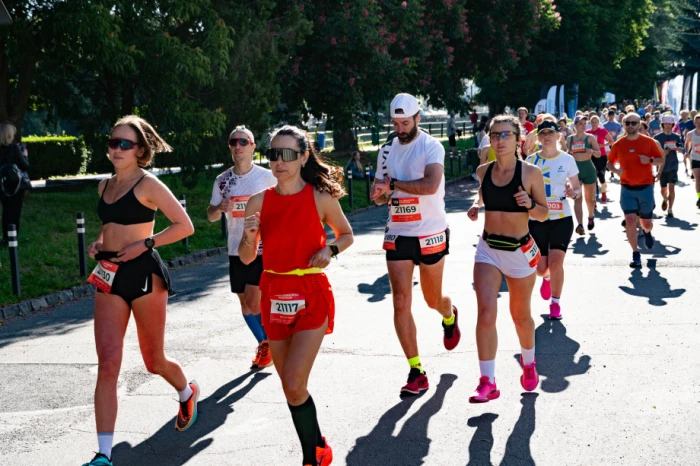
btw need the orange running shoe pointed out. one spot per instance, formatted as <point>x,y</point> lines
<point>264,357</point>
<point>188,410</point>
<point>256,359</point>
<point>324,456</point>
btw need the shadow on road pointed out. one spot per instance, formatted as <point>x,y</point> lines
<point>675,222</point>
<point>168,447</point>
<point>518,445</point>
<point>660,250</point>
<point>379,289</point>
<point>605,213</point>
<point>412,444</point>
<point>482,441</point>
<point>654,287</point>
<point>591,248</point>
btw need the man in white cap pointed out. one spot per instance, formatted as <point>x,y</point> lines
<point>410,178</point>
<point>667,174</point>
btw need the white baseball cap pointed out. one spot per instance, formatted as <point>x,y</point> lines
<point>404,106</point>
<point>668,119</point>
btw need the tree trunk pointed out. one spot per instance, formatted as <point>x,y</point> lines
<point>24,89</point>
<point>344,140</point>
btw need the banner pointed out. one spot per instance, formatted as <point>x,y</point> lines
<point>541,107</point>
<point>664,90</point>
<point>677,94</point>
<point>686,91</point>
<point>694,88</point>
<point>561,100</point>
<point>551,100</point>
<point>609,98</point>
<point>575,99</point>
<point>656,93</point>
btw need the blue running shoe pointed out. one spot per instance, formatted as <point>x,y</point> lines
<point>99,460</point>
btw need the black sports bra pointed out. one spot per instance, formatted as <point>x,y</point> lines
<point>500,198</point>
<point>127,210</point>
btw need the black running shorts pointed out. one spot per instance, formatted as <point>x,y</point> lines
<point>408,248</point>
<point>134,278</point>
<point>242,275</point>
<point>552,234</point>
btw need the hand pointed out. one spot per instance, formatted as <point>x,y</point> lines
<point>321,259</point>
<point>132,251</point>
<point>569,192</point>
<point>226,206</point>
<point>657,177</point>
<point>644,159</point>
<point>380,187</point>
<point>94,248</point>
<point>522,198</point>
<point>251,227</point>
<point>473,213</point>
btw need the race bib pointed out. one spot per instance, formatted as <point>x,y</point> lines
<point>103,275</point>
<point>389,242</point>
<point>670,145</point>
<point>532,252</point>
<point>284,308</point>
<point>405,209</point>
<point>433,244</point>
<point>556,206</point>
<point>239,204</point>
<point>577,148</point>
<point>696,148</point>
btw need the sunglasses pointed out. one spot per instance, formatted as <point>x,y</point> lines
<point>287,155</point>
<point>123,144</point>
<point>631,123</point>
<point>240,141</point>
<point>503,135</point>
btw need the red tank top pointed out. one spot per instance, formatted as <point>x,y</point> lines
<point>290,229</point>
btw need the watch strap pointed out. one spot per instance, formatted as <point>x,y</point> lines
<point>334,250</point>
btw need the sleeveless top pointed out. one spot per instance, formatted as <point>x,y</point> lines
<point>694,145</point>
<point>290,229</point>
<point>127,210</point>
<point>500,198</point>
<point>578,146</point>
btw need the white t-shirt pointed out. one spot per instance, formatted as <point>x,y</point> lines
<point>694,145</point>
<point>485,141</point>
<point>413,214</point>
<point>556,172</point>
<point>239,188</point>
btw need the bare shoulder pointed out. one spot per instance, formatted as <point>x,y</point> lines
<point>323,198</point>
<point>531,171</point>
<point>102,185</point>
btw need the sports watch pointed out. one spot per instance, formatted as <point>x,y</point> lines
<point>334,250</point>
<point>149,242</point>
<point>532,205</point>
<point>391,184</point>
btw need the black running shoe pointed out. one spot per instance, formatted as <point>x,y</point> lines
<point>636,261</point>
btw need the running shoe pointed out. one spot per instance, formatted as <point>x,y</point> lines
<point>188,409</point>
<point>636,261</point>
<point>324,456</point>
<point>698,203</point>
<point>580,230</point>
<point>485,391</point>
<point>264,357</point>
<point>604,197</point>
<point>546,290</point>
<point>530,378</point>
<point>670,213</point>
<point>451,333</point>
<point>554,311</point>
<point>591,223</point>
<point>624,222</point>
<point>664,205</point>
<point>648,240</point>
<point>256,359</point>
<point>417,382</point>
<point>99,460</point>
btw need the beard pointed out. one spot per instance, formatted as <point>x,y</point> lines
<point>407,137</point>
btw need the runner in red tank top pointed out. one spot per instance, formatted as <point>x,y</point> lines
<point>297,301</point>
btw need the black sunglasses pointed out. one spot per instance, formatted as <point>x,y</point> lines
<point>631,123</point>
<point>123,144</point>
<point>241,141</point>
<point>287,155</point>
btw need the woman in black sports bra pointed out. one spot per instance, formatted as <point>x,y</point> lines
<point>511,191</point>
<point>130,275</point>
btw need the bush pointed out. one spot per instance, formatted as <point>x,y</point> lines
<point>98,162</point>
<point>55,156</point>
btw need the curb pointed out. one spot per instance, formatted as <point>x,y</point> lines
<point>50,300</point>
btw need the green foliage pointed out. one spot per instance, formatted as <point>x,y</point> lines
<point>55,156</point>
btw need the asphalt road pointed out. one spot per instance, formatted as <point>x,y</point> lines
<point>619,375</point>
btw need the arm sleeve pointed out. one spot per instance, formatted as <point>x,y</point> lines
<point>436,154</point>
<point>216,197</point>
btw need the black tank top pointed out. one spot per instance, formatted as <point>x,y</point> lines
<point>127,210</point>
<point>500,198</point>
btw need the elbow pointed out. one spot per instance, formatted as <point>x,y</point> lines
<point>189,229</point>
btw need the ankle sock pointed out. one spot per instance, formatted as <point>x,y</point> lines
<point>555,300</point>
<point>415,363</point>
<point>104,442</point>
<point>528,356</point>
<point>488,369</point>
<point>185,394</point>
<point>306,425</point>
<point>449,320</point>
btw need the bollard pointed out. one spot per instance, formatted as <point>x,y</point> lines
<point>442,130</point>
<point>82,259</point>
<point>224,226</point>
<point>459,159</point>
<point>430,129</point>
<point>183,203</point>
<point>367,181</point>
<point>452,168</point>
<point>464,129</point>
<point>14,259</point>
<point>350,188</point>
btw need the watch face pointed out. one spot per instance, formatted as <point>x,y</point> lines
<point>149,242</point>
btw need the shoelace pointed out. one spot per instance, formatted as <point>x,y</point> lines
<point>260,351</point>
<point>529,372</point>
<point>481,387</point>
<point>263,350</point>
<point>185,408</point>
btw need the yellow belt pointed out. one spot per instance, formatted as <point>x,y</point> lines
<point>298,272</point>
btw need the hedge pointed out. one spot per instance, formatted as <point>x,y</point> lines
<point>55,156</point>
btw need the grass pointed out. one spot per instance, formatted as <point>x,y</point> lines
<point>48,245</point>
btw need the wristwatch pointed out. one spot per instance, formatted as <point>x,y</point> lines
<point>149,242</point>
<point>391,184</point>
<point>334,250</point>
<point>533,205</point>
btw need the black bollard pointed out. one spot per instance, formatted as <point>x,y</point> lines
<point>367,181</point>
<point>459,159</point>
<point>183,203</point>
<point>224,226</point>
<point>430,129</point>
<point>82,257</point>
<point>14,259</point>
<point>350,188</point>
<point>452,167</point>
<point>442,130</point>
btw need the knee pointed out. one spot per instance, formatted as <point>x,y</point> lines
<point>154,364</point>
<point>294,387</point>
<point>523,320</point>
<point>252,306</point>
<point>556,263</point>
<point>486,317</point>
<point>109,364</point>
<point>402,302</point>
<point>434,301</point>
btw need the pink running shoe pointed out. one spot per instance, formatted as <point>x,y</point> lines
<point>546,290</point>
<point>530,378</point>
<point>554,311</point>
<point>485,392</point>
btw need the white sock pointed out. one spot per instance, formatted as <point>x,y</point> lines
<point>488,369</point>
<point>104,441</point>
<point>528,355</point>
<point>185,394</point>
<point>546,278</point>
<point>555,300</point>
